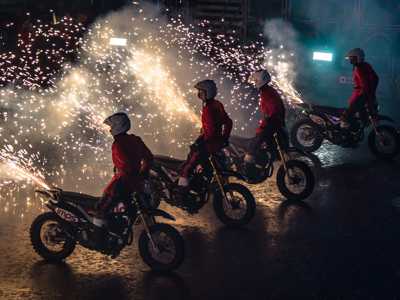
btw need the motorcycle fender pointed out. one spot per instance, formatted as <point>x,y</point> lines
<point>292,149</point>
<point>161,213</point>
<point>385,118</point>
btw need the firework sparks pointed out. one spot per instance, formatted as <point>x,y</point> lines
<point>19,167</point>
<point>58,107</point>
<point>150,70</point>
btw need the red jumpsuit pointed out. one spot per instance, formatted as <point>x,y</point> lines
<point>273,109</point>
<point>216,129</point>
<point>365,84</point>
<point>128,152</point>
<point>271,105</point>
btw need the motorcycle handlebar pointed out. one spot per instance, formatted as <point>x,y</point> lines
<point>304,105</point>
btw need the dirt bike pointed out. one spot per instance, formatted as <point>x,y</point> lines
<point>322,122</point>
<point>233,203</point>
<point>294,178</point>
<point>54,234</point>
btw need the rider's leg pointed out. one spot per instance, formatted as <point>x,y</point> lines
<point>190,163</point>
<point>265,136</point>
<point>348,116</point>
<point>116,190</point>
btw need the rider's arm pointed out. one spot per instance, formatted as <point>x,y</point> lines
<point>227,124</point>
<point>208,124</point>
<point>119,157</point>
<point>365,84</point>
<point>147,158</point>
<point>264,111</point>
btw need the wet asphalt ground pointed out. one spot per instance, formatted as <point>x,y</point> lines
<point>341,243</point>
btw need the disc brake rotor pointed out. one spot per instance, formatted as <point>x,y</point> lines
<point>234,208</point>
<point>385,142</point>
<point>306,134</point>
<point>166,248</point>
<point>295,178</point>
<point>52,236</point>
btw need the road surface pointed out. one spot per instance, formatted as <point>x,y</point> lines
<point>341,243</point>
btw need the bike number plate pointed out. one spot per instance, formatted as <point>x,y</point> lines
<point>66,215</point>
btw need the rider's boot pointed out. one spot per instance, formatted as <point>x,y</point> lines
<point>183,182</point>
<point>249,164</point>
<point>183,185</point>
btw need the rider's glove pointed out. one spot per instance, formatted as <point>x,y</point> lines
<point>225,142</point>
<point>197,144</point>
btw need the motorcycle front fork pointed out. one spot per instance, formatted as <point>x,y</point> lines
<point>280,151</point>
<point>374,125</point>
<point>148,221</point>
<point>219,181</point>
<point>282,156</point>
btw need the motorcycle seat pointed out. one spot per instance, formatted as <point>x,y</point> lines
<point>334,111</point>
<point>245,143</point>
<point>241,142</point>
<point>86,201</point>
<point>168,162</point>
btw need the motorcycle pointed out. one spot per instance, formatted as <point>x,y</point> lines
<point>54,234</point>
<point>323,122</point>
<point>294,178</point>
<point>234,205</point>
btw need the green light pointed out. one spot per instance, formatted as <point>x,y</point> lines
<point>322,56</point>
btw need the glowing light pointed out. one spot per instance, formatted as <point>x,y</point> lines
<point>322,56</point>
<point>121,42</point>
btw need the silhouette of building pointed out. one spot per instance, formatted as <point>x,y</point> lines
<point>224,16</point>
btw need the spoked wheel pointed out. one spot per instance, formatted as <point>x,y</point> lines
<point>385,142</point>
<point>298,182</point>
<point>165,250</point>
<point>306,136</point>
<point>239,207</point>
<point>49,239</point>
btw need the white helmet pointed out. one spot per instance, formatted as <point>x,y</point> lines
<point>119,123</point>
<point>209,87</point>
<point>356,52</point>
<point>260,78</point>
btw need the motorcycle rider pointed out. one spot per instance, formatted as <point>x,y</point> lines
<point>131,159</point>
<point>365,84</point>
<point>215,132</point>
<point>273,110</point>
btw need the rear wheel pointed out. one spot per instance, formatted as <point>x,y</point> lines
<point>385,144</point>
<point>167,252</point>
<point>297,183</point>
<point>49,239</point>
<point>240,208</point>
<point>306,136</point>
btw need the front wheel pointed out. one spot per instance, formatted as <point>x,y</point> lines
<point>297,181</point>
<point>239,207</point>
<point>384,142</point>
<point>48,238</point>
<point>306,136</point>
<point>165,250</point>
